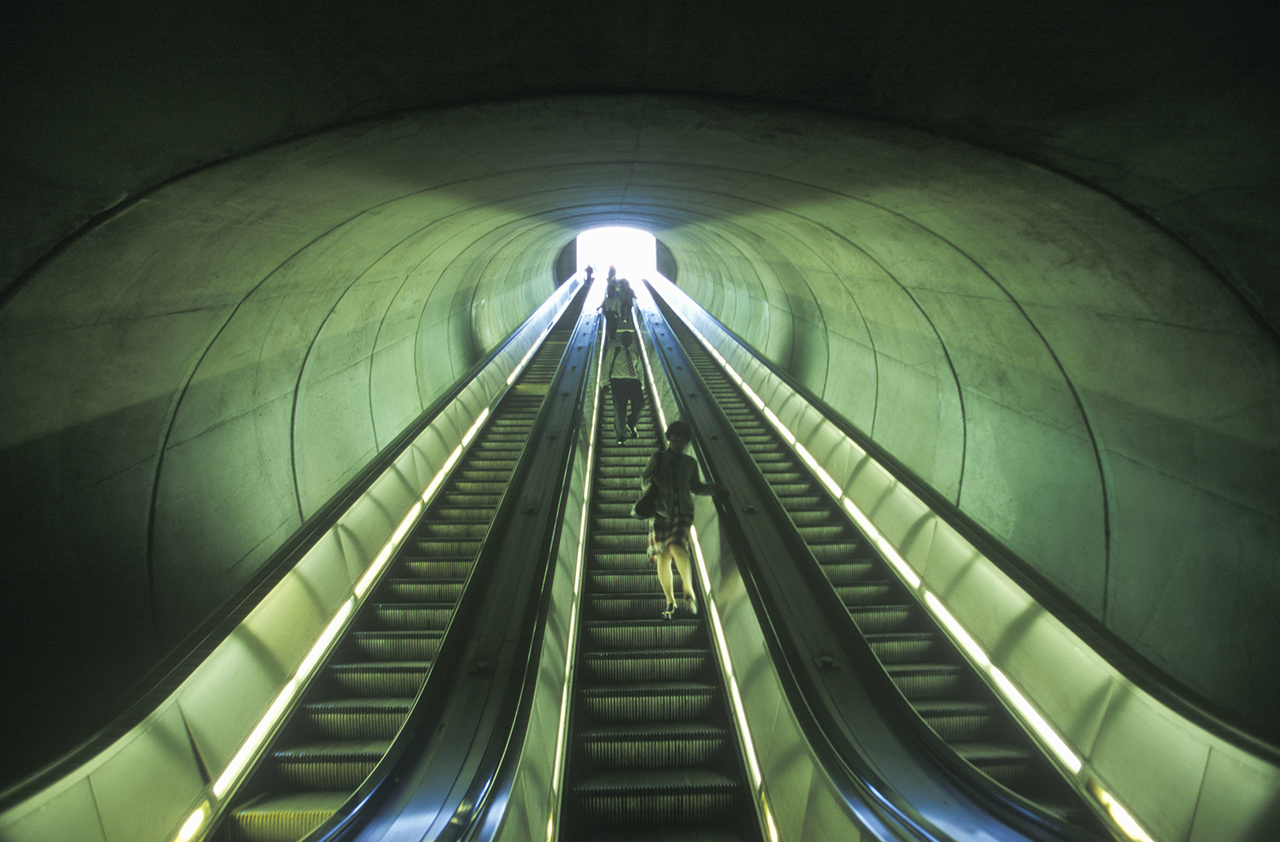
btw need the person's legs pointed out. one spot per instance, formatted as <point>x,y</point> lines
<point>664,575</point>
<point>619,408</point>
<point>634,402</point>
<point>681,558</point>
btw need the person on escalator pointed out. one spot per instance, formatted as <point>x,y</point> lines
<point>623,367</point>
<point>626,304</point>
<point>676,478</point>
<point>612,306</point>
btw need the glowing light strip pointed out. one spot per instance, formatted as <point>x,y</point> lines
<point>388,549</point>
<point>442,474</point>
<point>1122,817</point>
<point>475,428</point>
<point>260,731</point>
<point>192,825</point>
<point>890,552</point>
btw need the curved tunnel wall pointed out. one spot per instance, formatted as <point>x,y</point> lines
<point>195,376</point>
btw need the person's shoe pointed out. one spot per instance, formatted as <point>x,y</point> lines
<point>622,441</point>
<point>690,604</point>
<point>631,428</point>
<point>669,611</point>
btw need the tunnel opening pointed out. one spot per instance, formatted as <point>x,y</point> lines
<point>632,252</point>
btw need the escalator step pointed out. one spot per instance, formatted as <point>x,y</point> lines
<point>632,558</point>
<point>376,678</point>
<point>1006,763</point>
<point>355,719</point>
<point>655,796</point>
<point>284,817</point>
<point>420,590</point>
<point>328,765</point>
<point>642,634</point>
<point>906,647</point>
<point>872,619</point>
<point>639,606</point>
<point>841,551</point>
<point>928,681</point>
<point>634,542</point>
<point>434,568</point>
<point>652,744</point>
<point>660,701</point>
<point>413,615</point>
<point>621,582</point>
<point>679,665</point>
<point>394,645</point>
<point>960,720</point>
<point>456,530</point>
<point>850,572</point>
<point>468,547</point>
<point>868,593</point>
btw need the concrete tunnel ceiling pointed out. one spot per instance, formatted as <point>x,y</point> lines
<point>234,346</point>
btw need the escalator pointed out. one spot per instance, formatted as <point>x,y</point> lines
<point>653,752</point>
<point>361,697</point>
<point>928,672</point>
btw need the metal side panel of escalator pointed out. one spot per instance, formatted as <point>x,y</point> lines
<point>353,710</point>
<point>652,750</point>
<point>929,677</point>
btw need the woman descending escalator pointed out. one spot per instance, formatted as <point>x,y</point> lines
<point>672,478</point>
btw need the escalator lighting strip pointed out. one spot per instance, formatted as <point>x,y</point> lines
<point>821,472</point>
<point>475,428</point>
<point>1037,722</point>
<point>278,707</point>
<point>958,632</point>
<point>779,426</point>
<point>537,343</point>
<point>256,737</point>
<point>321,645</point>
<point>192,825</point>
<point>1123,818</point>
<point>886,549</point>
<point>388,549</point>
<point>442,474</point>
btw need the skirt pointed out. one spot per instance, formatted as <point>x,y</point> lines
<point>668,532</point>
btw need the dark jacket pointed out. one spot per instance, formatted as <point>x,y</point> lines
<point>681,478</point>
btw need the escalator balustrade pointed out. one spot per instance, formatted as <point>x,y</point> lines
<point>925,666</point>
<point>354,708</point>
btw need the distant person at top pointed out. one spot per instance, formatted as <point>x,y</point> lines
<point>623,367</point>
<point>626,303</point>
<point>612,306</point>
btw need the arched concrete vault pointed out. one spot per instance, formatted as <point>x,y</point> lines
<point>195,376</point>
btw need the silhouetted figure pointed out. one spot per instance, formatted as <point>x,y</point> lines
<point>623,367</point>
<point>676,476</point>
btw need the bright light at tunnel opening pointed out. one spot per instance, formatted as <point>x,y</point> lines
<point>634,253</point>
